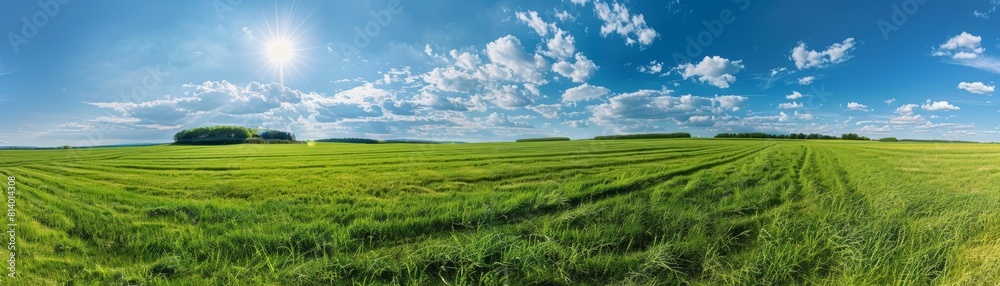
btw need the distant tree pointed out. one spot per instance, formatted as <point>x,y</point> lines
<point>760,135</point>
<point>889,139</point>
<point>277,135</point>
<point>67,147</point>
<point>543,139</point>
<point>852,136</point>
<point>217,135</point>
<point>645,136</point>
<point>349,140</point>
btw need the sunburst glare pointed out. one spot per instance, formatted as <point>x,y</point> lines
<point>282,48</point>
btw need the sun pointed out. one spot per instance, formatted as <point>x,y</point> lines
<point>281,42</point>
<point>280,51</point>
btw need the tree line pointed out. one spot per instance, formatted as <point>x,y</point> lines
<point>645,136</point>
<point>811,136</point>
<point>543,139</point>
<point>222,135</point>
<point>350,140</point>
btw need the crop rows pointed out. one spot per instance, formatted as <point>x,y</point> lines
<point>579,212</point>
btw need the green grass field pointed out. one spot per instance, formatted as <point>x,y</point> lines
<point>636,212</point>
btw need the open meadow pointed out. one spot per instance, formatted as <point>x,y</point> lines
<point>629,212</point>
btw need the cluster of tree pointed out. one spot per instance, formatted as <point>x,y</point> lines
<point>277,135</point>
<point>759,135</point>
<point>259,140</point>
<point>645,136</point>
<point>229,132</point>
<point>889,139</point>
<point>852,136</point>
<point>350,140</point>
<point>543,139</point>
<point>223,135</point>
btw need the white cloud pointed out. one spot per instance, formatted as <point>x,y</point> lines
<point>580,71</point>
<point>654,67</point>
<point>965,46</point>
<point>531,18</point>
<point>790,105</point>
<point>508,53</point>
<point>909,119</point>
<point>465,60</point>
<point>804,116</point>
<point>794,95</point>
<point>807,80</point>
<point>561,46</point>
<point>966,49</point>
<point>564,16</point>
<point>618,20</point>
<point>835,54</point>
<point>783,117</point>
<point>502,120</point>
<point>906,115</point>
<point>890,101</point>
<point>857,106</point>
<point>584,92</point>
<point>652,105</point>
<point>248,33</point>
<point>550,111</point>
<point>579,2</point>
<point>977,87</point>
<point>451,79</point>
<point>906,109</point>
<point>508,96</point>
<point>988,12</point>
<point>715,70</point>
<point>939,106</point>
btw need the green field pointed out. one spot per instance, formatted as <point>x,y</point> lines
<point>636,212</point>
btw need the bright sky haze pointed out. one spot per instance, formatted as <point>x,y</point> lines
<point>109,72</point>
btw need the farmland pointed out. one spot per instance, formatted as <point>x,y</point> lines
<point>580,212</point>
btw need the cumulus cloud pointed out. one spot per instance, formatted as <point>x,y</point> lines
<point>790,105</point>
<point>804,116</point>
<point>564,16</point>
<point>835,54</point>
<point>857,106</point>
<point>906,109</point>
<point>508,96</point>
<point>652,105</point>
<point>716,71</point>
<point>508,53</point>
<point>939,106</point>
<point>807,80</point>
<point>561,46</point>
<point>255,104</point>
<point>966,49</point>
<point>964,46</point>
<point>654,67</point>
<point>550,111</point>
<point>531,18</point>
<point>584,92</point>
<point>906,115</point>
<point>618,20</point>
<point>502,120</point>
<point>977,87</point>
<point>794,95</point>
<point>580,71</point>
<point>909,119</point>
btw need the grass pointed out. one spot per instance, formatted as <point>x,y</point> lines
<point>644,212</point>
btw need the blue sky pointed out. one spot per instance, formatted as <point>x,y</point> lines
<point>110,72</point>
